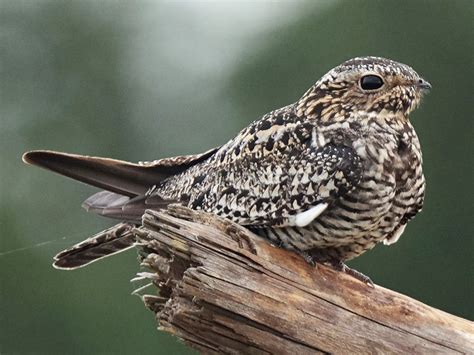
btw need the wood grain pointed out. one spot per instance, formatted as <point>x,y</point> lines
<point>222,289</point>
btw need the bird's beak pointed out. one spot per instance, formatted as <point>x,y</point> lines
<point>423,84</point>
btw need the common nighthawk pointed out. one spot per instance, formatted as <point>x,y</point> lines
<point>329,176</point>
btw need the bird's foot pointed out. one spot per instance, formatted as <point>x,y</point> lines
<point>340,266</point>
<point>313,259</point>
<point>308,258</point>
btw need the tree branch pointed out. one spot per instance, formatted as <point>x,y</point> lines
<point>224,290</point>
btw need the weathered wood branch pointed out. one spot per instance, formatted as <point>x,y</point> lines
<point>224,290</point>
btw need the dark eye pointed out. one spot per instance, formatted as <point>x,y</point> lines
<point>371,82</point>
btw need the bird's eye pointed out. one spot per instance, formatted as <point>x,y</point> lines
<point>371,82</point>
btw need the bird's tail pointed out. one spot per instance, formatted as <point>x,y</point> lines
<point>106,243</point>
<point>125,197</point>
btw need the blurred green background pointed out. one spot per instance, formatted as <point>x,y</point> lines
<point>144,80</point>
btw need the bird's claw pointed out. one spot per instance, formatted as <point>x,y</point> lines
<point>340,266</point>
<point>308,258</point>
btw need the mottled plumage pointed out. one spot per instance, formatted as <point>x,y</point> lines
<point>329,176</point>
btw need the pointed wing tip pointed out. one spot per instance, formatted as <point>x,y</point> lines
<point>60,267</point>
<point>62,264</point>
<point>29,157</point>
<point>35,157</point>
<point>64,261</point>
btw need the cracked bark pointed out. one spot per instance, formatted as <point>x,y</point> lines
<point>222,289</point>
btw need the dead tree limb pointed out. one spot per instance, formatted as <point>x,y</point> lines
<point>224,290</point>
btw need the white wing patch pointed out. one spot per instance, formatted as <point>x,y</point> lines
<point>395,236</point>
<point>304,218</point>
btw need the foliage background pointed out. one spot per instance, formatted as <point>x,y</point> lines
<point>149,79</point>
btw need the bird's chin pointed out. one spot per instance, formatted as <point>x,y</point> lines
<point>424,90</point>
<point>414,104</point>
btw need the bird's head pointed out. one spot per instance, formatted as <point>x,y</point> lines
<point>364,85</point>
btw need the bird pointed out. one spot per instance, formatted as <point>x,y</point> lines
<point>328,177</point>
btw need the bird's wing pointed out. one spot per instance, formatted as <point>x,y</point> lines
<point>277,173</point>
<point>125,184</point>
<point>117,176</point>
<point>292,192</point>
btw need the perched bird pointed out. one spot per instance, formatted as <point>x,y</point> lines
<point>329,176</point>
